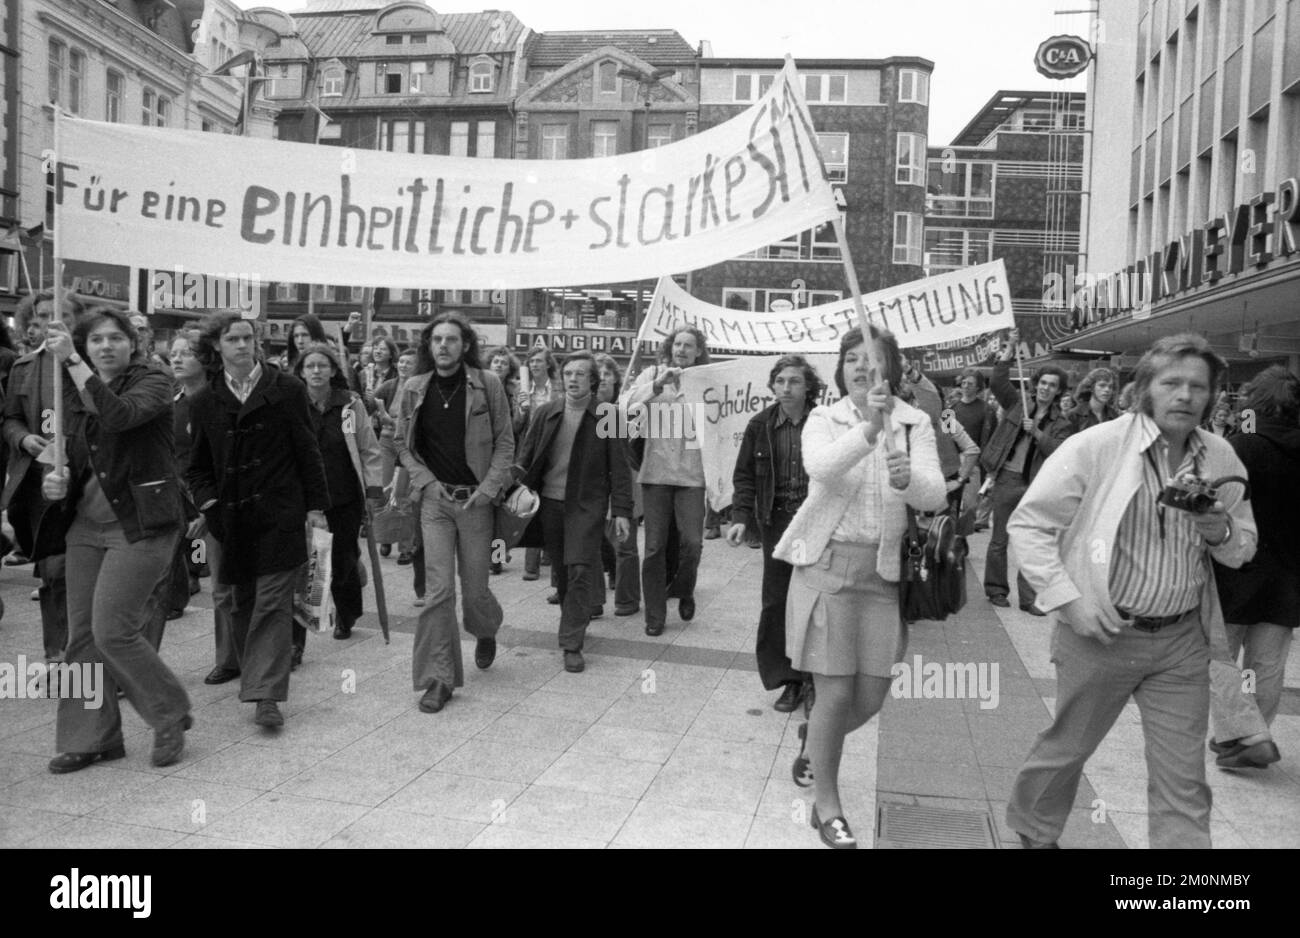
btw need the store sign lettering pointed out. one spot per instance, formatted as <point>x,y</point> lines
<point>1250,236</point>
<point>614,343</point>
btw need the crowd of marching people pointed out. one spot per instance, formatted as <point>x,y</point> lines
<point>215,442</point>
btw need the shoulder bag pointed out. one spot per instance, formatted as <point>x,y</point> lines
<point>932,583</point>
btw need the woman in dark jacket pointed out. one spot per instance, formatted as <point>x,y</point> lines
<point>1095,398</point>
<point>1261,600</point>
<point>336,414</point>
<point>124,504</point>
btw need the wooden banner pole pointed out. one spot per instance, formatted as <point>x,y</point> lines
<point>852,275</point>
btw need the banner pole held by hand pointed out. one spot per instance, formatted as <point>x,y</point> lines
<point>1020,382</point>
<point>852,275</point>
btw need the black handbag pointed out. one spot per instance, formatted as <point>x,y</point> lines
<point>932,581</point>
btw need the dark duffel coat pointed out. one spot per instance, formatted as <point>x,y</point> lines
<point>598,479</point>
<point>1267,588</point>
<point>260,465</point>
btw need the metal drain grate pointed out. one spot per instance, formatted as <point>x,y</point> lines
<point>903,826</point>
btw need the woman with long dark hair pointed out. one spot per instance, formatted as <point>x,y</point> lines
<point>352,474</point>
<point>123,499</point>
<point>306,330</point>
<point>843,624</point>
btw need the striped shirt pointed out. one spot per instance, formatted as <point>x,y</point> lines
<point>1157,567</point>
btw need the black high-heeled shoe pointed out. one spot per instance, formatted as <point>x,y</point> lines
<point>801,769</point>
<point>835,833</point>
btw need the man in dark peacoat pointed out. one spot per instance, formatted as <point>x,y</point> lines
<point>576,463</point>
<point>256,473</point>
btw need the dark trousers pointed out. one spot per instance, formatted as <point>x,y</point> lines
<point>345,555</point>
<point>261,625</point>
<point>774,667</point>
<point>227,656</point>
<point>50,570</point>
<point>417,563</point>
<point>573,582</point>
<point>1007,491</point>
<point>662,504</point>
<point>109,575</point>
<point>621,561</point>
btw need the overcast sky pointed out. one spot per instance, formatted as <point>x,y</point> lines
<point>978,46</point>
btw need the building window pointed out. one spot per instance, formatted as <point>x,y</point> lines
<point>739,299</point>
<point>419,39</point>
<point>660,136</point>
<point>555,141</point>
<point>459,139</point>
<point>824,89</point>
<point>113,85</point>
<point>910,168</point>
<point>321,293</point>
<point>607,78</point>
<point>825,243</point>
<point>604,138</point>
<point>954,248</point>
<point>76,72</point>
<point>401,136</point>
<point>965,190</point>
<point>908,231</point>
<point>835,153</point>
<point>390,78</point>
<point>286,292</point>
<point>748,299</point>
<point>420,75</point>
<point>332,85</point>
<point>485,144</point>
<point>751,87</point>
<point>163,111</point>
<point>481,76</point>
<point>330,131</point>
<point>146,107</point>
<point>393,40</point>
<point>58,54</point>
<point>277,81</point>
<point>913,87</point>
<point>357,294</point>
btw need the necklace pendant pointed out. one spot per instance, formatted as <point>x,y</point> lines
<point>446,404</point>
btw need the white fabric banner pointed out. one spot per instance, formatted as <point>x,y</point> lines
<point>951,306</point>
<point>150,197</point>
<point>732,394</point>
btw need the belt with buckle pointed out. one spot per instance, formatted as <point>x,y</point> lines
<point>1153,623</point>
<point>459,493</point>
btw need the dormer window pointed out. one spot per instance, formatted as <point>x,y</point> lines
<point>393,40</point>
<point>391,78</point>
<point>419,39</point>
<point>332,82</point>
<point>481,76</point>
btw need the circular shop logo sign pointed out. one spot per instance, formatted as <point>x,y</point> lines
<point>1062,57</point>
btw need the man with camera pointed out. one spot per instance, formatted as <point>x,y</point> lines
<point>1121,558</point>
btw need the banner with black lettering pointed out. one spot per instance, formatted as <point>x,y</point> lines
<point>956,305</point>
<point>157,198</point>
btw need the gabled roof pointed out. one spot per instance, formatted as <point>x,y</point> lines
<point>330,35</point>
<point>656,46</point>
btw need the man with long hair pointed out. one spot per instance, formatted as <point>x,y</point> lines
<point>256,474</point>
<point>455,438</point>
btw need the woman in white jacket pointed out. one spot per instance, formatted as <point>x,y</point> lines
<point>842,619</point>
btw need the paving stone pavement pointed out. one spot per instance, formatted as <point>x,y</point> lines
<point>663,742</point>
